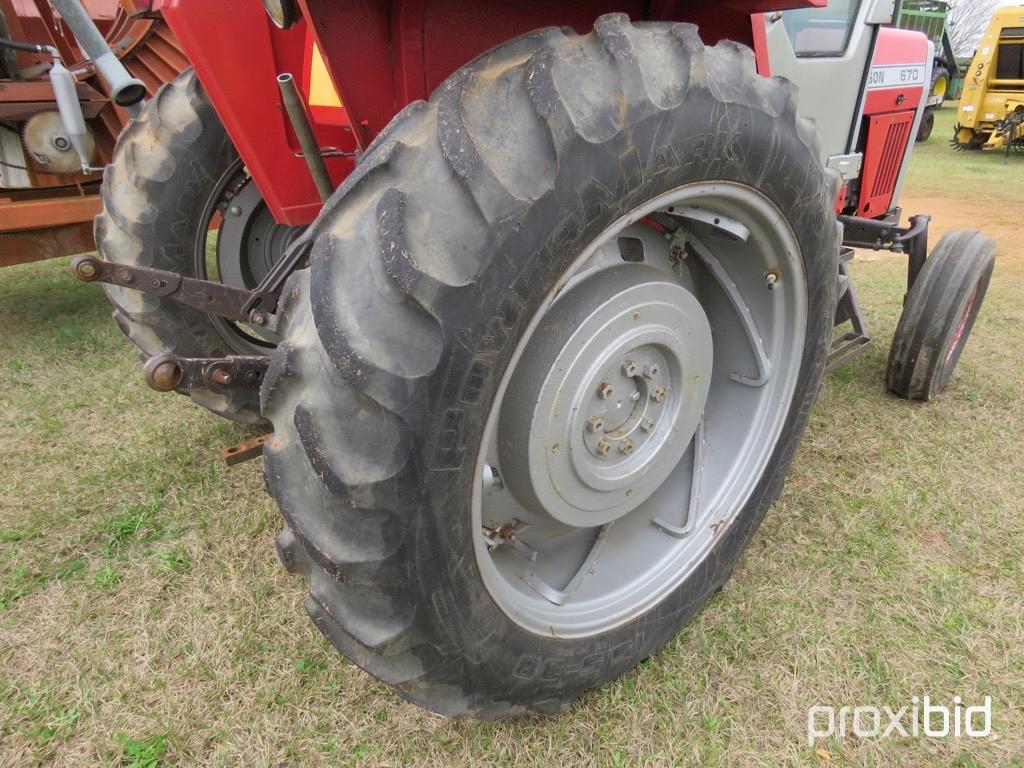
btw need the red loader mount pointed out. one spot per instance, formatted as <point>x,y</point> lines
<point>536,296</point>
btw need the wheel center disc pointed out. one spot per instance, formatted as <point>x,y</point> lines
<point>250,241</point>
<point>607,396</point>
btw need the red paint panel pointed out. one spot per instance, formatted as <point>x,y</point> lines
<point>892,99</point>
<point>888,136</point>
<point>895,87</point>
<point>239,74</point>
<point>899,46</point>
<point>899,65</point>
<point>759,31</point>
<point>381,55</point>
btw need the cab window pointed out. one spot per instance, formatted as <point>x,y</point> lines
<point>821,31</point>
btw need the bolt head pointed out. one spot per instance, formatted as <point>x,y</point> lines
<point>222,377</point>
<point>166,377</point>
<point>604,448</point>
<point>257,318</point>
<point>605,391</point>
<point>595,423</point>
<point>235,210</point>
<point>629,368</point>
<point>651,370</point>
<point>659,394</point>
<point>626,447</point>
<point>125,276</point>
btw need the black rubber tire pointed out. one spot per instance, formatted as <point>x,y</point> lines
<point>924,131</point>
<point>939,314</point>
<point>166,165</point>
<point>427,267</point>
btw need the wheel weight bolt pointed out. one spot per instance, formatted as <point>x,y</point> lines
<point>629,368</point>
<point>605,391</point>
<point>596,422</point>
<point>604,448</point>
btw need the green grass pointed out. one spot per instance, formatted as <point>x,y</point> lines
<point>145,621</point>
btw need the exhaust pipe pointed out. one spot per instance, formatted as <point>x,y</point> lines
<point>125,90</point>
<point>65,92</point>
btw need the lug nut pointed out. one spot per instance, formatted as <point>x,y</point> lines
<point>596,422</point>
<point>626,447</point>
<point>605,391</point>
<point>629,368</point>
<point>604,448</point>
<point>647,425</point>
<point>651,370</point>
<point>659,394</point>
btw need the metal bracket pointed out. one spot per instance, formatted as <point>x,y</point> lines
<point>167,373</point>
<point>245,450</point>
<point>887,235</point>
<point>876,234</point>
<point>714,266</point>
<point>204,295</point>
<point>850,344</point>
<point>256,306</point>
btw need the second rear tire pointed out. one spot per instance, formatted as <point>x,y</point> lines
<point>176,197</point>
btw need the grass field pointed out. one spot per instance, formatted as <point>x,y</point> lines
<point>144,619</point>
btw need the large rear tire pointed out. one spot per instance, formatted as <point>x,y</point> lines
<point>176,197</point>
<point>627,179</point>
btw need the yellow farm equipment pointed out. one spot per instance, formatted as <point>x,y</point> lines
<point>991,112</point>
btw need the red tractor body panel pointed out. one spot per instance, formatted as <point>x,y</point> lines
<point>247,58</point>
<point>381,55</point>
<point>895,85</point>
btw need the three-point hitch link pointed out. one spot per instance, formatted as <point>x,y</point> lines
<point>256,306</point>
<point>167,373</point>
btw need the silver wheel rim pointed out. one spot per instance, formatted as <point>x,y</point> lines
<point>639,410</point>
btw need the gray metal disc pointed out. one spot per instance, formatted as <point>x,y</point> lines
<point>581,531</point>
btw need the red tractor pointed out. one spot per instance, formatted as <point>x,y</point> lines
<point>537,367</point>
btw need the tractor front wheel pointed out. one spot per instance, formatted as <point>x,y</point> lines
<point>557,345</point>
<point>939,314</point>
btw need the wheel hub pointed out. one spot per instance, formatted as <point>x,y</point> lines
<point>607,396</point>
<point>250,241</point>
